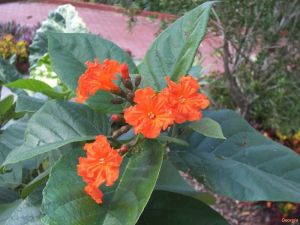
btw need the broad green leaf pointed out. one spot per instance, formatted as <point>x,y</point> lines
<point>165,138</point>
<point>169,208</point>
<point>64,19</point>
<point>37,181</point>
<point>173,52</point>
<point>26,212</point>
<point>10,138</point>
<point>8,73</point>
<point>246,166</point>
<point>123,202</point>
<point>28,104</point>
<point>36,86</point>
<point>136,185</point>
<point>101,101</point>
<point>56,124</point>
<point>7,209</point>
<point>7,195</point>
<point>6,104</point>
<point>69,62</point>
<point>208,127</point>
<point>170,180</point>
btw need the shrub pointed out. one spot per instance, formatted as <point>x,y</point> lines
<point>112,155</point>
<point>261,60</point>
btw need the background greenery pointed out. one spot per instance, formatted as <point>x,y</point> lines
<point>260,55</point>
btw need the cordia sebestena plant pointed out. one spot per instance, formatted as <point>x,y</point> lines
<point>112,156</point>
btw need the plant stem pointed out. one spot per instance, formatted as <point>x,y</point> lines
<point>174,131</point>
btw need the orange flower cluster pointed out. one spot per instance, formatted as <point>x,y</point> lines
<point>176,103</point>
<point>150,114</point>
<point>101,165</point>
<point>99,77</point>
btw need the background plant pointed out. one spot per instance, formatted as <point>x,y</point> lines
<point>261,62</point>
<point>14,42</point>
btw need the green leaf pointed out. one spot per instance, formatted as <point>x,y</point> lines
<point>173,52</point>
<point>26,212</point>
<point>208,127</point>
<point>37,181</point>
<point>7,195</point>
<point>169,208</point>
<point>64,19</point>
<point>8,73</point>
<point>101,101</point>
<point>69,62</point>
<point>28,104</point>
<point>123,202</point>
<point>56,124</point>
<point>170,180</point>
<point>10,138</point>
<point>6,104</point>
<point>7,209</point>
<point>168,139</point>
<point>246,166</point>
<point>36,86</point>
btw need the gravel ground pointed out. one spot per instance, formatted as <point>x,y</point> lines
<point>236,212</point>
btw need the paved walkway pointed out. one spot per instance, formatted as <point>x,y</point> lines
<point>109,24</point>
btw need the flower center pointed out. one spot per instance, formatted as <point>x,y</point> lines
<point>151,115</point>
<point>101,161</point>
<point>182,99</point>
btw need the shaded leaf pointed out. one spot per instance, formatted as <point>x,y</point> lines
<point>56,124</point>
<point>10,138</point>
<point>7,209</point>
<point>27,103</point>
<point>8,73</point>
<point>246,166</point>
<point>167,208</point>
<point>37,181</point>
<point>26,212</point>
<point>170,180</point>
<point>8,195</point>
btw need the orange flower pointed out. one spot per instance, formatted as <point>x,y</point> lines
<point>98,77</point>
<point>150,115</point>
<point>101,165</point>
<point>94,192</point>
<point>184,99</point>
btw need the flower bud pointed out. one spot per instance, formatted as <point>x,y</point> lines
<point>115,118</point>
<point>117,101</point>
<point>127,83</point>
<point>124,148</point>
<point>137,81</point>
<point>130,96</point>
<point>124,71</point>
<point>4,170</point>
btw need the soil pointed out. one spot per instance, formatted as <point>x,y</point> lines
<point>247,213</point>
